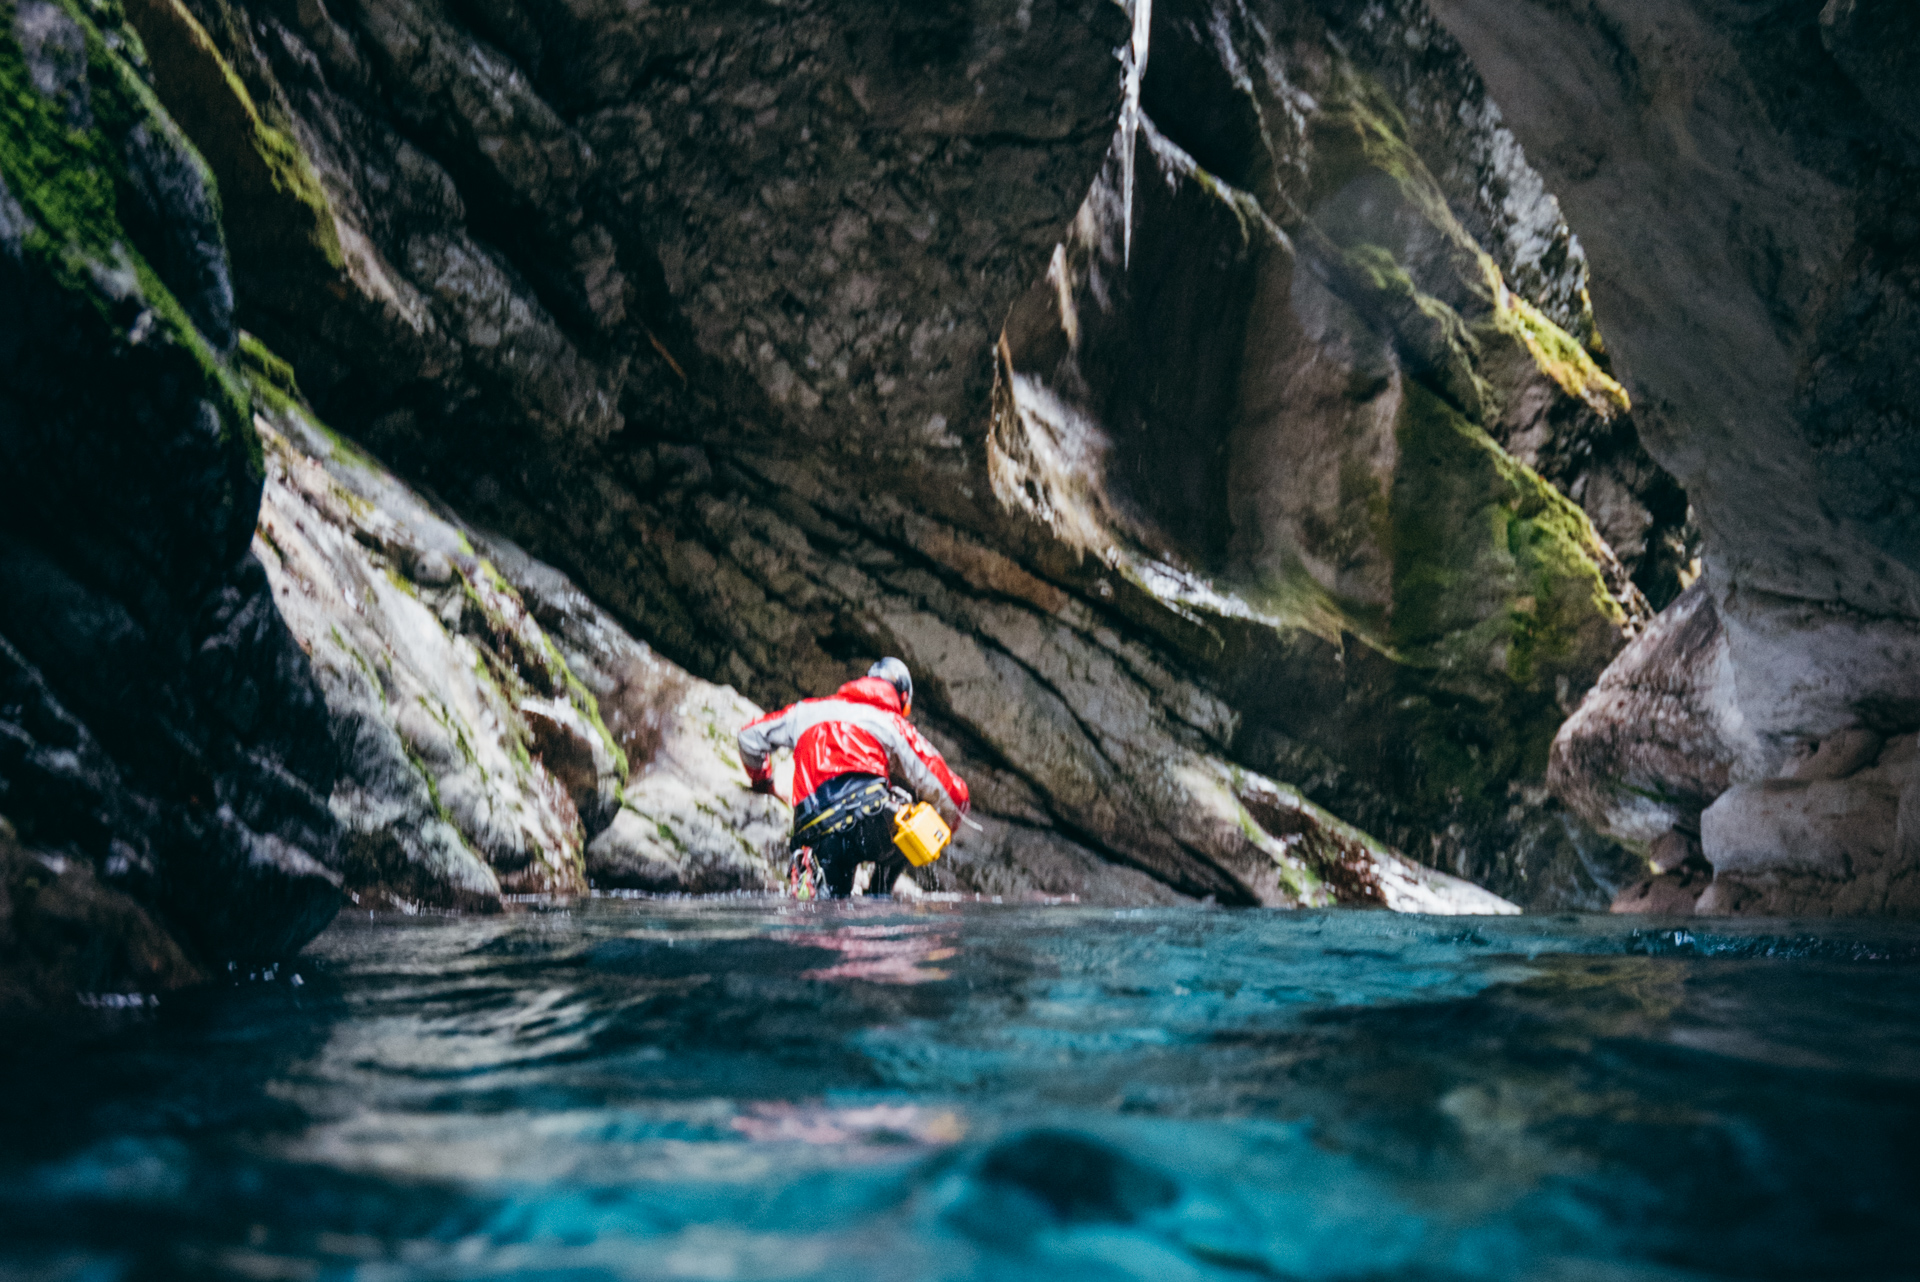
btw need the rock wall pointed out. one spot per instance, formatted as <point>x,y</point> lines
<point>162,742</point>
<point>703,308</point>
<point>1272,382</point>
<point>1206,400</point>
<point>500,735</point>
<point>1743,177</point>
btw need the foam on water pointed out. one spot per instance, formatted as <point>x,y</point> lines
<point>759,1089</point>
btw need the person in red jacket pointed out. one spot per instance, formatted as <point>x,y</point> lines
<point>847,751</point>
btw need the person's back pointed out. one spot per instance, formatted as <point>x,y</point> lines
<point>847,748</point>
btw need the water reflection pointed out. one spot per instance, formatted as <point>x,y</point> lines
<point>757,1089</point>
<point>896,954</point>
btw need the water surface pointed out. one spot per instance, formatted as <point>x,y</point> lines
<point>760,1089</point>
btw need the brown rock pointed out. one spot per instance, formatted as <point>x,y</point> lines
<point>1670,894</point>
<point>1789,847</point>
<point>1672,849</point>
<point>1662,733</point>
<point>1836,756</point>
<point>65,935</point>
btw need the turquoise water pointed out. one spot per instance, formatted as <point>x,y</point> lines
<point>760,1089</point>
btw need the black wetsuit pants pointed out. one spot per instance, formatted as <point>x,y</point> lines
<point>868,840</point>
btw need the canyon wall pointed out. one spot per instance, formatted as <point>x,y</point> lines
<point>703,307</point>
<point>1743,178</point>
<point>1211,402</point>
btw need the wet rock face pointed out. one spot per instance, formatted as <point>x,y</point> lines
<point>160,734</point>
<point>499,734</point>
<point>1283,385</point>
<point>685,820</point>
<point>1766,161</point>
<point>1233,452</point>
<point>436,680</point>
<point>67,935</point>
<point>548,210</point>
<point>702,306</point>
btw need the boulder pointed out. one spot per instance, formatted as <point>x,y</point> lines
<point>1672,893</point>
<point>1820,844</point>
<point>1662,733</point>
<point>501,734</point>
<point>686,820</point>
<point>68,937</point>
<point>441,693</point>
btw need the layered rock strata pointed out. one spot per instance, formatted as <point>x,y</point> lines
<point>701,308</point>
<point>1273,383</point>
<point>1223,432</point>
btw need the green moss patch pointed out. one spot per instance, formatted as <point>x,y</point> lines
<point>519,648</point>
<point>278,202</point>
<point>1558,354</point>
<point>1359,137</point>
<point>70,183</point>
<point>1498,598</point>
<point>271,377</point>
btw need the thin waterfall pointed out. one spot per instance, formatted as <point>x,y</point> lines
<point>1136,58</point>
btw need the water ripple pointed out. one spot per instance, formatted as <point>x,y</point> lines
<point>756,1089</point>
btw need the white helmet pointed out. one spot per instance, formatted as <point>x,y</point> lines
<point>894,673</point>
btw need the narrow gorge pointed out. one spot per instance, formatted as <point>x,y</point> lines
<point>1435,455</point>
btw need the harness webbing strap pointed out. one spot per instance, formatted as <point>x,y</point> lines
<point>868,799</point>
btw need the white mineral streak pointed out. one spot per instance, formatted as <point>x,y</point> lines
<point>1136,63</point>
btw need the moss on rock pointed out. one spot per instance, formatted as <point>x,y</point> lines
<point>1429,334</point>
<point>270,377</point>
<point>1557,353</point>
<point>72,181</point>
<point>1499,602</point>
<point>276,196</point>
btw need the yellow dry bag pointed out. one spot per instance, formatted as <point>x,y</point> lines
<point>921,834</point>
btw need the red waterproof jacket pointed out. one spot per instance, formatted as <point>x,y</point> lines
<point>859,729</point>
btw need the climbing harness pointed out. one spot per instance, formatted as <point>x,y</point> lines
<point>863,802</point>
<point>806,875</point>
<point>919,833</point>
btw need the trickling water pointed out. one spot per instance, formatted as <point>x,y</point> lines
<point>757,1089</point>
<point>1134,57</point>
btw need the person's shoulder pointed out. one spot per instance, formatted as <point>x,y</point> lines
<point>774,714</point>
